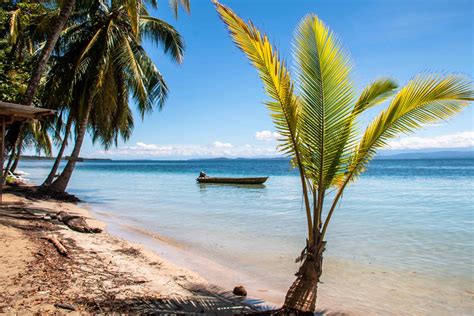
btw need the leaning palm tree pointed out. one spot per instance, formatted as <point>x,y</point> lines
<point>109,65</point>
<point>317,117</point>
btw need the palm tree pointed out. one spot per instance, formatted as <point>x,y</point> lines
<point>109,64</point>
<point>317,119</point>
<point>63,144</point>
<point>35,135</point>
<point>65,9</point>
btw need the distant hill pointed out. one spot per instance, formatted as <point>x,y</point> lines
<point>431,155</point>
<point>447,154</point>
<point>26,157</point>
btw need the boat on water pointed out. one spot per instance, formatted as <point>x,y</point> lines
<point>259,180</point>
<point>203,178</point>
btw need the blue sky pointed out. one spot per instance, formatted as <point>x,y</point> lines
<point>215,102</point>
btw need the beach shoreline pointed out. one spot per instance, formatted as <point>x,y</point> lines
<point>100,272</point>
<point>157,267</point>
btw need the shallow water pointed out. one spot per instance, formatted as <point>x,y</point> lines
<point>401,241</point>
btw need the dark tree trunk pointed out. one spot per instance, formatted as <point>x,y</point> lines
<point>17,156</point>
<point>10,161</point>
<point>55,167</point>
<point>60,184</point>
<point>43,59</point>
<point>301,297</point>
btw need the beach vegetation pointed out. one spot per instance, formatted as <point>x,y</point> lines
<point>316,111</point>
<point>85,60</point>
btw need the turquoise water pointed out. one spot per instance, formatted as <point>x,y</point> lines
<point>402,216</point>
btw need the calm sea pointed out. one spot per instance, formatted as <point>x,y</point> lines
<point>401,241</point>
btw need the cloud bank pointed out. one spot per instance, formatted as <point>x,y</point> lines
<point>458,140</point>
<point>267,147</point>
<point>216,149</point>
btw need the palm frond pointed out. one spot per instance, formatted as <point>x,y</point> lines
<point>284,107</point>
<point>327,98</point>
<point>426,99</point>
<point>162,33</point>
<point>375,93</point>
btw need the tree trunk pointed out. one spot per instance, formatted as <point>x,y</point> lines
<point>60,184</point>
<point>55,167</point>
<point>17,156</point>
<point>10,160</point>
<point>301,297</point>
<point>43,59</point>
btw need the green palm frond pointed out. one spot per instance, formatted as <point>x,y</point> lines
<point>426,99</point>
<point>319,125</point>
<point>375,93</point>
<point>162,33</point>
<point>327,98</point>
<point>284,107</point>
<point>272,71</point>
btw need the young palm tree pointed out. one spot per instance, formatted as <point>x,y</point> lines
<point>317,120</point>
<point>109,64</point>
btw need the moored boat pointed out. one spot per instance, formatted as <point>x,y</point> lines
<point>258,180</point>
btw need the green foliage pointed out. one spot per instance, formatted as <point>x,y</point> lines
<point>18,26</point>
<point>103,63</point>
<point>318,119</point>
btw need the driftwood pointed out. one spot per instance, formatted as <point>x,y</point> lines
<point>77,223</point>
<point>59,246</point>
<point>65,306</point>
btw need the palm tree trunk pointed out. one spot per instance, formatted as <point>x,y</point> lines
<point>43,59</point>
<point>18,154</point>
<point>55,167</point>
<point>10,160</point>
<point>301,297</point>
<point>60,184</point>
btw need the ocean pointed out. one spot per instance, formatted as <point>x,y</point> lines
<point>400,242</point>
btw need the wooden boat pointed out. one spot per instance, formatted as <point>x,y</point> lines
<point>232,180</point>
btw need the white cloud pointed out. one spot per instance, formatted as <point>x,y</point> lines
<point>223,149</point>
<point>216,149</point>
<point>146,146</point>
<point>458,140</point>
<point>218,144</point>
<point>267,136</point>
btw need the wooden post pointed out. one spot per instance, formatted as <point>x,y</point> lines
<point>1,157</point>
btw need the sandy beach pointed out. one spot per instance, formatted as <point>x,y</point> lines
<point>99,273</point>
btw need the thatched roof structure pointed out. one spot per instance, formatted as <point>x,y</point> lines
<point>9,113</point>
<point>18,112</point>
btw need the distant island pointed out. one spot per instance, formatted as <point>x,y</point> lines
<point>431,155</point>
<point>27,157</point>
<point>447,154</point>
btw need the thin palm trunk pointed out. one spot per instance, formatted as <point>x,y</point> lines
<point>17,156</point>
<point>55,167</point>
<point>61,183</point>
<point>10,160</point>
<point>301,297</point>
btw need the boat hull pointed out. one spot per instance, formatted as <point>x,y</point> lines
<point>260,180</point>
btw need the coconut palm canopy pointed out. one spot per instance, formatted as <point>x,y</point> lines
<point>315,110</point>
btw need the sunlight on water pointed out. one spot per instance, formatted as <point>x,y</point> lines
<point>404,218</point>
